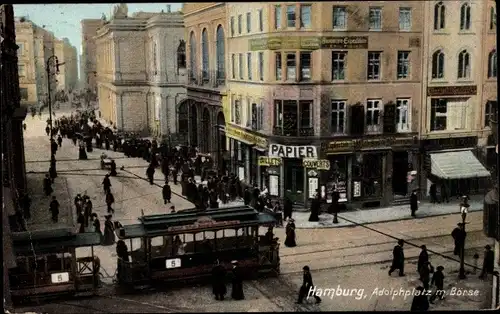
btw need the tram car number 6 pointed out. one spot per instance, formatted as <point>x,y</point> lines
<point>60,277</point>
<point>173,263</point>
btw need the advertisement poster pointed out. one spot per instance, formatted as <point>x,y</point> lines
<point>357,189</point>
<point>273,185</point>
<point>341,188</point>
<point>241,173</point>
<point>313,186</point>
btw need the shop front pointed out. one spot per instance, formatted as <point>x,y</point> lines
<point>370,172</point>
<point>245,149</point>
<point>452,165</point>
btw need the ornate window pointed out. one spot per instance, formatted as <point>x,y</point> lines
<point>438,65</point>
<point>220,51</point>
<point>492,64</point>
<point>464,64</point>
<point>192,56</point>
<point>204,55</point>
<point>439,16</point>
<point>183,118</point>
<point>465,17</point>
<point>181,55</point>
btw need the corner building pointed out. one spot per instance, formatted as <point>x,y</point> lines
<point>332,100</point>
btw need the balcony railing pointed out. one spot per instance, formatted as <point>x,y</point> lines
<point>210,78</point>
<point>280,131</point>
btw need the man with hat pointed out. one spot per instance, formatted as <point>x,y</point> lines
<point>488,262</point>
<point>237,282</point>
<point>438,280</point>
<point>307,286</point>
<point>218,281</point>
<point>398,259</point>
<point>413,203</point>
<point>458,234</point>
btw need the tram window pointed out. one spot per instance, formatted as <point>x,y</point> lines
<point>38,266</point>
<point>54,262</point>
<point>230,232</point>
<point>157,241</point>
<point>22,265</point>
<point>136,244</point>
<point>220,234</point>
<point>199,236</point>
<point>67,260</point>
<point>210,235</point>
<point>262,231</point>
<point>188,237</point>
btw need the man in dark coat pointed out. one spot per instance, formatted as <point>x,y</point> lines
<point>237,282</point>
<point>59,140</point>
<point>218,281</point>
<point>438,280</point>
<point>315,208</point>
<point>247,196</point>
<point>488,262</point>
<point>54,209</point>
<point>53,147</point>
<point>307,286</point>
<point>47,185</point>
<point>287,208</point>
<point>110,199</point>
<point>420,302</point>
<point>334,206</point>
<point>150,173</point>
<point>422,258</point>
<point>175,173</point>
<point>106,183</point>
<point>167,193</point>
<point>398,259</point>
<point>413,203</point>
<point>112,166</point>
<point>458,234</point>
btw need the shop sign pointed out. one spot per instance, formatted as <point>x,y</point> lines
<point>338,146</point>
<point>269,161</point>
<point>319,164</point>
<point>203,225</point>
<point>277,43</point>
<point>467,90</point>
<point>358,42</point>
<point>449,143</point>
<point>283,151</point>
<point>238,134</point>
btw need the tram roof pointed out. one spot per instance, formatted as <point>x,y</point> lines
<point>53,240</point>
<point>193,220</point>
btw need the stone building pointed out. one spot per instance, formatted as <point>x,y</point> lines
<point>332,100</point>
<point>459,95</point>
<point>36,45</point>
<point>67,78</point>
<point>13,165</point>
<point>88,60</point>
<point>141,71</point>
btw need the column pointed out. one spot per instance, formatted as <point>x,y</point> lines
<point>282,178</point>
<point>349,178</point>
<point>247,164</point>
<point>387,179</point>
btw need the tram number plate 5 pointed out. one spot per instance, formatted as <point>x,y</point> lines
<point>59,277</point>
<point>173,263</point>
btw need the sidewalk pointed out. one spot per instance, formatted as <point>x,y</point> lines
<point>385,214</point>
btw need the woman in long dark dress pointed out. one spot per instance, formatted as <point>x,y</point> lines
<point>237,281</point>
<point>290,234</point>
<point>109,234</point>
<point>97,224</point>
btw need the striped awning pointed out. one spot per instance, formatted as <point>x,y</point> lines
<point>457,165</point>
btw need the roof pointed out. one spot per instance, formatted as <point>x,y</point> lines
<point>46,241</point>
<point>192,220</point>
<point>457,165</point>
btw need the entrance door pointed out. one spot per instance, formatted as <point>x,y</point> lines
<point>294,179</point>
<point>399,173</point>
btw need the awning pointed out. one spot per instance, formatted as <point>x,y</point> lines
<point>260,149</point>
<point>457,165</point>
<point>240,140</point>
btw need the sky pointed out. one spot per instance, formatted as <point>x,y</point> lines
<point>64,19</point>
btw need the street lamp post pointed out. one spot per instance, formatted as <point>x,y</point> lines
<point>219,163</point>
<point>47,68</point>
<point>463,211</point>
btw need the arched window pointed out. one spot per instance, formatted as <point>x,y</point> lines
<point>204,55</point>
<point>183,118</point>
<point>493,18</point>
<point>192,57</point>
<point>464,64</point>
<point>220,52</point>
<point>181,55</point>
<point>492,64</point>
<point>438,64</point>
<point>465,16</point>
<point>439,16</point>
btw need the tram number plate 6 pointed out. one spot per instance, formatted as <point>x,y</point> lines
<point>59,277</point>
<point>173,263</point>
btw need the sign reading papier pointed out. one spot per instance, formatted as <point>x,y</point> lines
<point>283,151</point>
<point>173,263</point>
<point>59,277</point>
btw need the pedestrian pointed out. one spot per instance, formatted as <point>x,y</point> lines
<point>109,231</point>
<point>47,128</point>
<point>398,259</point>
<point>247,196</point>
<point>167,193</point>
<point>53,146</point>
<point>112,167</point>
<point>287,208</point>
<point>315,208</point>
<point>438,281</point>
<point>150,173</point>
<point>78,201</point>
<point>307,286</point>
<point>488,262</point>
<point>433,193</point>
<point>218,281</point>
<point>237,282</point>
<point>334,205</point>
<point>458,234</point>
<point>444,193</point>
<point>175,174</point>
<point>24,126</point>
<point>106,183</point>
<point>172,209</point>
<point>420,302</point>
<point>290,233</point>
<point>54,209</point>
<point>87,210</point>
<point>47,185</point>
<point>96,224</point>
<point>110,199</point>
<point>81,222</point>
<point>425,274</point>
<point>422,258</point>
<point>413,203</point>
<point>59,140</point>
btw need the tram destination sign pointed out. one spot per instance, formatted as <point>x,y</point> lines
<point>203,225</point>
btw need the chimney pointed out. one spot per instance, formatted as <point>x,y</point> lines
<point>168,8</point>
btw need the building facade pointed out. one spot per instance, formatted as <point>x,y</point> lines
<point>68,73</point>
<point>36,45</point>
<point>141,71</point>
<point>13,162</point>
<point>200,116</point>
<point>458,95</point>
<point>88,61</point>
<point>330,101</point>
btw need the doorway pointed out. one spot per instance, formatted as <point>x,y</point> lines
<point>400,170</point>
<point>294,179</point>
<point>194,125</point>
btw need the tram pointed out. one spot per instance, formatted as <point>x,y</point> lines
<point>184,245</point>
<point>47,264</point>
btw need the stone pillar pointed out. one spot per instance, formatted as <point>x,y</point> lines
<point>387,179</point>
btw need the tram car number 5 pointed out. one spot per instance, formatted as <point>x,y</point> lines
<point>173,263</point>
<point>59,277</point>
